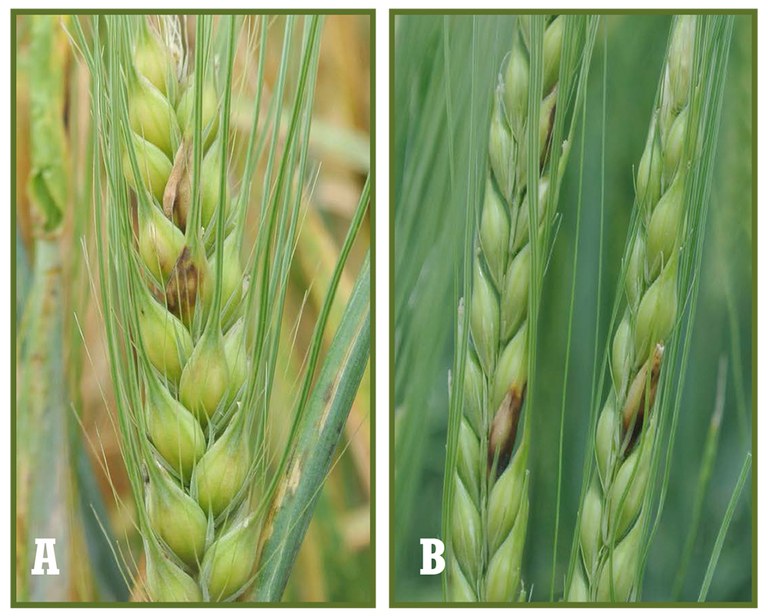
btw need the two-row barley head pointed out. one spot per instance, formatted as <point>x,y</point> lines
<point>192,309</point>
<point>615,512</point>
<point>528,147</point>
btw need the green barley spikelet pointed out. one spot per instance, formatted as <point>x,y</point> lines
<point>237,359</point>
<point>160,243</point>
<point>167,342</point>
<point>173,430</point>
<point>229,562</point>
<point>166,581</point>
<point>154,167</point>
<point>231,280</point>
<point>210,186</point>
<point>210,113</point>
<point>618,572</point>
<point>205,379</point>
<point>221,472</point>
<point>176,518</point>
<point>613,512</point>
<point>152,58</point>
<point>152,116</point>
<point>489,509</point>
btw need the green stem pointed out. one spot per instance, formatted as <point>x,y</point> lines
<point>321,430</point>
<point>705,473</point>
<point>724,528</point>
<point>41,426</point>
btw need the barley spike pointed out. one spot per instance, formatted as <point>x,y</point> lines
<point>200,463</point>
<point>489,515</point>
<point>613,514</point>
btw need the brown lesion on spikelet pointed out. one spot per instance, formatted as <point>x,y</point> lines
<point>503,432</point>
<point>640,397</point>
<point>178,190</point>
<point>183,287</point>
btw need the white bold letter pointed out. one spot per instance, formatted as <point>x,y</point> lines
<point>45,555</point>
<point>433,562</point>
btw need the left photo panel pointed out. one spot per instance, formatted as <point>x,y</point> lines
<point>192,220</point>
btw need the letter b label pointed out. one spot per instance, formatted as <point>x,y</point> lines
<point>432,562</point>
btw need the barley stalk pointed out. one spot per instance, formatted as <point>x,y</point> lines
<point>614,514</point>
<point>44,477</point>
<point>489,510</point>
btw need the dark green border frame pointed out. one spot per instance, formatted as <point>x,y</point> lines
<point>371,13</point>
<point>393,13</point>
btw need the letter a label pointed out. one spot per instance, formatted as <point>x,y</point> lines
<point>45,557</point>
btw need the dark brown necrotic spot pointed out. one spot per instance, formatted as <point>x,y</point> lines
<point>183,286</point>
<point>501,439</point>
<point>640,397</point>
<point>178,190</point>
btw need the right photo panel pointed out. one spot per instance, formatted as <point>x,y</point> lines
<point>574,308</point>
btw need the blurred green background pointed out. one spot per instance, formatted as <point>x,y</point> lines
<point>445,69</point>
